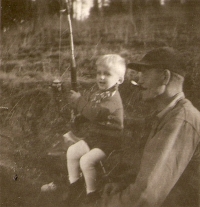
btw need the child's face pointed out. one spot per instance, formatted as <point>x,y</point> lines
<point>107,77</point>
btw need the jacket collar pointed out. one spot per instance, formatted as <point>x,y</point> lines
<point>171,105</point>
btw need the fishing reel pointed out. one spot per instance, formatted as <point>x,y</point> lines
<point>57,85</point>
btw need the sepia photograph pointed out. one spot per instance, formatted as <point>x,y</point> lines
<point>100,103</point>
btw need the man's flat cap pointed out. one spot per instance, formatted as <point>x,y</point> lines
<point>161,58</point>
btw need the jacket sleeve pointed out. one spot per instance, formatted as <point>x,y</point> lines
<point>165,157</point>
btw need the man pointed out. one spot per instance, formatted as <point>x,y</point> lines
<point>168,174</point>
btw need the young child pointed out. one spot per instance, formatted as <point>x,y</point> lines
<point>99,122</point>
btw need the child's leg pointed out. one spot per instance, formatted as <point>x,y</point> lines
<point>70,138</point>
<point>74,153</point>
<point>87,164</point>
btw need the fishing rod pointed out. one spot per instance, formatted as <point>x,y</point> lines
<point>57,83</point>
<point>73,61</point>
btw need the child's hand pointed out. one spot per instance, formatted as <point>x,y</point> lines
<point>74,96</point>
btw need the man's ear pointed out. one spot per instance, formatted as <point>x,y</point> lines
<point>121,80</point>
<point>167,76</point>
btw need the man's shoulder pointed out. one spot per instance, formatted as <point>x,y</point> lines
<point>185,106</point>
<point>185,110</point>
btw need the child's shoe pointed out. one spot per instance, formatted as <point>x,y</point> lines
<point>50,187</point>
<point>92,197</point>
<point>74,192</point>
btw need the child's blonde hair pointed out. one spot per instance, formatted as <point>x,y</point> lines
<point>113,61</point>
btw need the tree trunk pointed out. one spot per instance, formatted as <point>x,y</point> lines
<point>40,13</point>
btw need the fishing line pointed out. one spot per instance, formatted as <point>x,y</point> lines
<point>60,39</point>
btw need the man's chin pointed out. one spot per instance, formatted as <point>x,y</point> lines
<point>150,99</point>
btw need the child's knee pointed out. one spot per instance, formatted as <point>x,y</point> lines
<point>86,163</point>
<point>77,150</point>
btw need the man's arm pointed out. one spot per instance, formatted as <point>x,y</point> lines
<point>165,157</point>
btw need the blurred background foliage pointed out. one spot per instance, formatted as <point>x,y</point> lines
<point>35,39</point>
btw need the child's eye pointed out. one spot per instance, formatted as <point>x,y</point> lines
<point>107,74</point>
